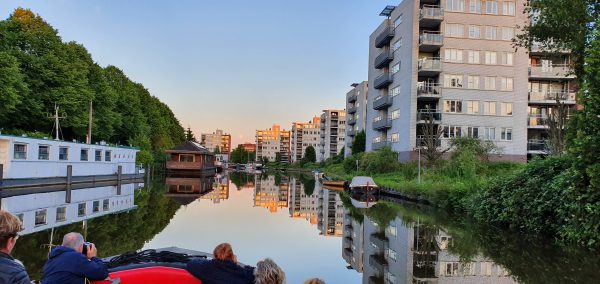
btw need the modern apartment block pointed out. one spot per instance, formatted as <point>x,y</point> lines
<point>333,131</point>
<point>356,113</point>
<point>273,141</point>
<point>217,139</point>
<point>452,62</point>
<point>305,134</point>
<point>271,193</point>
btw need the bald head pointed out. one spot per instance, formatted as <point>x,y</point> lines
<point>73,240</point>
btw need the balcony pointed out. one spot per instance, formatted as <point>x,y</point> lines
<point>381,123</point>
<point>537,146</point>
<point>352,97</point>
<point>385,36</point>
<point>537,121</point>
<point>348,253</point>
<point>430,16</point>
<point>380,144</point>
<point>384,59</point>
<point>549,97</point>
<point>430,41</point>
<point>424,115</point>
<point>429,66</point>
<point>378,262</point>
<point>431,91</point>
<point>376,280</point>
<point>352,120</point>
<point>351,132</point>
<point>382,102</point>
<point>383,80</point>
<point>379,239</point>
<point>351,109</point>
<point>554,72</point>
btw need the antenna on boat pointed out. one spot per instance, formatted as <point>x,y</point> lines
<point>56,121</point>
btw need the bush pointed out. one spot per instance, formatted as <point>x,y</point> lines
<point>381,161</point>
<point>350,162</point>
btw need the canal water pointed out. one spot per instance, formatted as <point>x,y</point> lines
<point>308,230</point>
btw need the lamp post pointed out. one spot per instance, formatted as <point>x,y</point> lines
<point>419,175</point>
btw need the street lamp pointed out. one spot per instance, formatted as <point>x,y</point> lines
<point>419,175</point>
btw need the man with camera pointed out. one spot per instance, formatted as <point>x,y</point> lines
<point>73,262</point>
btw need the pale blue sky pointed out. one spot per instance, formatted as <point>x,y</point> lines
<point>234,65</point>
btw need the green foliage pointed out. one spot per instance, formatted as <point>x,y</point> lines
<point>144,157</point>
<point>309,184</point>
<point>381,161</point>
<point>277,157</point>
<point>189,136</point>
<point>358,145</point>
<point>350,162</point>
<point>217,150</point>
<point>240,156</point>
<point>310,155</point>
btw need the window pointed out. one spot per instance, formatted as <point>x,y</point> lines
<point>489,133</point>
<point>61,214</point>
<point>390,278</point>
<point>395,68</point>
<point>508,8</point>
<point>455,30</point>
<point>43,152</point>
<point>395,114</point>
<point>453,55</point>
<point>105,205</point>
<point>84,155</point>
<point>395,91</point>
<point>506,84</point>
<point>452,131</point>
<point>392,230</point>
<point>187,158</point>
<point>81,209</point>
<point>398,21</point>
<point>489,83</point>
<point>453,106</point>
<point>473,82</point>
<point>107,156</point>
<point>453,81</point>
<point>491,7</point>
<point>63,153</point>
<point>506,134</point>
<point>491,32</point>
<point>473,57</point>
<point>98,155</point>
<point>473,107</point>
<point>474,31</point>
<point>491,57</point>
<point>20,152</point>
<point>473,132</point>
<point>489,108</point>
<point>507,58</point>
<point>392,254</point>
<point>40,217</point>
<point>455,5</point>
<point>96,206</point>
<point>475,6</point>
<point>397,44</point>
<point>506,109</point>
<point>508,33</point>
<point>185,188</point>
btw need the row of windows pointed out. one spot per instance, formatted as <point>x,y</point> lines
<point>490,7</point>
<point>489,83</point>
<point>474,57</point>
<point>20,153</point>
<point>479,32</point>
<point>473,107</point>
<point>487,133</point>
<point>41,216</point>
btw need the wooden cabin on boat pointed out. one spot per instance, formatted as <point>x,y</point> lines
<point>190,158</point>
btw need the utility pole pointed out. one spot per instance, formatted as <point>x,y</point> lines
<point>88,139</point>
<point>56,121</point>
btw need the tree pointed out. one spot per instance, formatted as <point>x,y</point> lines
<point>430,142</point>
<point>277,157</point>
<point>189,135</point>
<point>12,86</point>
<point>557,123</point>
<point>310,155</point>
<point>217,150</point>
<point>358,145</point>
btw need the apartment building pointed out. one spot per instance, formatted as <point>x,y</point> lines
<point>333,131</point>
<point>303,205</point>
<point>305,134</point>
<point>331,213</point>
<point>217,139</point>
<point>273,141</point>
<point>356,113</point>
<point>271,193</point>
<point>452,62</point>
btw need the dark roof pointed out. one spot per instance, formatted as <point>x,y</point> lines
<point>191,146</point>
<point>184,199</point>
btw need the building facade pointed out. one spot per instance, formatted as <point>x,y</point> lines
<point>333,131</point>
<point>271,142</point>
<point>304,135</point>
<point>356,113</point>
<point>452,62</point>
<point>217,139</point>
<point>249,147</point>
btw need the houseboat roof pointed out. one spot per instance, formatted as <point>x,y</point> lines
<point>46,139</point>
<point>190,147</point>
<point>362,182</point>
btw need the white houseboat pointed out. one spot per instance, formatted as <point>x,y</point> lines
<point>33,158</point>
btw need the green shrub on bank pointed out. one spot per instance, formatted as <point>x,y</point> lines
<point>381,161</point>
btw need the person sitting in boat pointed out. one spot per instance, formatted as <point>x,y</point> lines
<point>223,268</point>
<point>11,270</point>
<point>74,262</point>
<point>268,272</point>
<point>314,281</point>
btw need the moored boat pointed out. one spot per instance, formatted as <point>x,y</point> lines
<point>365,185</point>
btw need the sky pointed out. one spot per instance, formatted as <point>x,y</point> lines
<point>233,65</point>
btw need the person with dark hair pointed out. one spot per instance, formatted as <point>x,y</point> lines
<point>223,268</point>
<point>11,270</point>
<point>73,262</point>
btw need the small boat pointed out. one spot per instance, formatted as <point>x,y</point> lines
<point>364,185</point>
<point>335,185</point>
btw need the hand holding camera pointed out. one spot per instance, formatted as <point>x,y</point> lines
<point>89,250</point>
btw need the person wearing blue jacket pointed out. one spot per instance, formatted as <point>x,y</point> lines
<point>11,270</point>
<point>68,265</point>
<point>222,269</point>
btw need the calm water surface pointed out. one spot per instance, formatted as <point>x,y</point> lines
<point>308,230</point>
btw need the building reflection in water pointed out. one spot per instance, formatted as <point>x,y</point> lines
<point>185,190</point>
<point>410,252</point>
<point>220,191</point>
<point>271,192</point>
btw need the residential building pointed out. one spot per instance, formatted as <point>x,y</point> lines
<point>353,243</point>
<point>271,192</point>
<point>217,139</point>
<point>333,126</point>
<point>305,134</point>
<point>452,62</point>
<point>356,113</point>
<point>331,213</point>
<point>304,202</point>
<point>273,141</point>
<point>249,147</point>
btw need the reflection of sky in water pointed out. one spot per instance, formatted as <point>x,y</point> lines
<point>255,234</point>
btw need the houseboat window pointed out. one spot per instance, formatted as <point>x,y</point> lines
<point>81,209</point>
<point>40,217</point>
<point>63,153</point>
<point>84,155</point>
<point>44,152</point>
<point>20,151</point>
<point>186,158</point>
<point>107,156</point>
<point>98,155</point>
<point>61,214</point>
<point>96,206</point>
<point>105,205</point>
<point>185,188</point>
<point>20,216</point>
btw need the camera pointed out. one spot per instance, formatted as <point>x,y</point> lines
<point>86,246</point>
